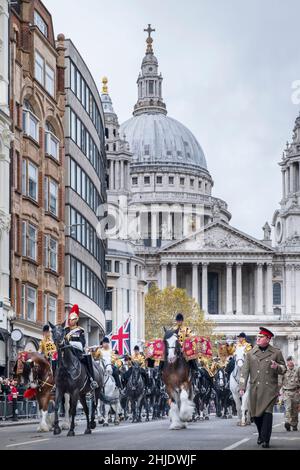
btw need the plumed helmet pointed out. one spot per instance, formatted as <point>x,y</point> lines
<point>74,313</point>
<point>46,328</point>
<point>105,340</point>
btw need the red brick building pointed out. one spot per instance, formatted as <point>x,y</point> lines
<point>37,171</point>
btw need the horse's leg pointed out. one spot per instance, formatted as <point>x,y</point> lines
<point>85,407</point>
<point>66,422</point>
<point>105,415</point>
<point>74,400</point>
<point>186,409</point>
<point>94,408</point>
<point>43,406</point>
<point>58,398</point>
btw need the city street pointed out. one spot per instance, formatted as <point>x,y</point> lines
<point>215,434</point>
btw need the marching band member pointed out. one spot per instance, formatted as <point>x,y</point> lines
<point>138,358</point>
<point>48,348</point>
<point>183,333</point>
<point>76,338</point>
<point>242,342</point>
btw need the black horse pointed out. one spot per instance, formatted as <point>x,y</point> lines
<point>134,393</point>
<point>160,397</point>
<point>72,378</point>
<point>203,393</point>
<point>221,386</point>
<point>149,396</point>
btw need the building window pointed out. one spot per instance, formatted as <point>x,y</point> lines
<point>276,293</point>
<point>108,266</point>
<point>39,68</point>
<point>171,179</point>
<point>51,196</point>
<point>84,280</point>
<point>49,80</point>
<point>50,253</point>
<point>52,143</point>
<point>31,303</point>
<point>192,183</point>
<point>128,300</point>
<point>30,122</point>
<point>117,266</point>
<point>30,180</point>
<point>151,87</point>
<point>128,268</point>
<point>29,240</point>
<point>40,23</point>
<point>136,270</point>
<point>52,309</point>
<point>134,181</point>
<point>159,179</point>
<point>182,181</point>
<point>147,179</point>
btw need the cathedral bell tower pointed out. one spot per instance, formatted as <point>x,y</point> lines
<point>149,82</point>
<point>286,220</point>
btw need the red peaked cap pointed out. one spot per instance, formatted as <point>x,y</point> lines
<point>264,331</point>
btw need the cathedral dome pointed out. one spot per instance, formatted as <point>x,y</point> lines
<point>157,138</point>
<point>154,137</point>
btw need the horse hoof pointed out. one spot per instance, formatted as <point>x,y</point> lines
<point>238,423</point>
<point>65,426</point>
<point>93,424</point>
<point>117,423</point>
<point>206,418</point>
<point>243,424</point>
<point>105,425</point>
<point>56,431</point>
<point>88,431</point>
<point>100,421</point>
<point>71,433</point>
<point>229,417</point>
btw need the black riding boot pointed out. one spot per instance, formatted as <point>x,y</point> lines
<point>90,370</point>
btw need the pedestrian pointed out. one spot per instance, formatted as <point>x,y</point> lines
<point>262,366</point>
<point>291,394</point>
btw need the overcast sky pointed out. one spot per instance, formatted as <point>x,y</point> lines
<point>228,68</point>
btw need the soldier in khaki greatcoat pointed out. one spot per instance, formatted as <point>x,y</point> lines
<point>262,367</point>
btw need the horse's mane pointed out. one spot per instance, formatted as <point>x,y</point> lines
<point>39,359</point>
<point>169,334</point>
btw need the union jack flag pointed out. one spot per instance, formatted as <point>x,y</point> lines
<point>121,340</point>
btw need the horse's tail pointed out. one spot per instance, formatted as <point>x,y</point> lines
<point>108,400</point>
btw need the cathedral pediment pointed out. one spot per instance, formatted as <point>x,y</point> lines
<point>218,237</point>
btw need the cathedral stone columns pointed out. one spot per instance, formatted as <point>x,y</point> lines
<point>239,307</point>
<point>174,274</point>
<point>269,285</point>
<point>164,275</point>
<point>154,227</point>
<point>229,289</point>
<point>204,304</point>
<point>111,175</point>
<point>122,175</point>
<point>288,291</point>
<point>283,184</point>
<point>259,289</point>
<point>195,282</point>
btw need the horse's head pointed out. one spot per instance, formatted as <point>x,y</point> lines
<point>136,373</point>
<point>58,334</point>
<point>221,378</point>
<point>172,346</point>
<point>239,356</point>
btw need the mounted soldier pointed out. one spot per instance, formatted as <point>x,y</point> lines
<point>76,338</point>
<point>138,358</point>
<point>48,348</point>
<point>243,343</point>
<point>110,357</point>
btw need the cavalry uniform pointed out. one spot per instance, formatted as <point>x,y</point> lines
<point>264,386</point>
<point>74,334</point>
<point>291,396</point>
<point>184,332</point>
<point>243,344</point>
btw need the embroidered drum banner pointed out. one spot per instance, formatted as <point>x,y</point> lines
<point>155,349</point>
<point>191,348</point>
<point>206,348</point>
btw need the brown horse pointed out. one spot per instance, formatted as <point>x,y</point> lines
<point>34,370</point>
<point>177,378</point>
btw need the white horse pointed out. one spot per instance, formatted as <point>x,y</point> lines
<point>242,404</point>
<point>110,390</point>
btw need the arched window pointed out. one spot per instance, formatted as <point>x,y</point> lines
<point>106,133</point>
<point>276,293</point>
<point>52,142</point>
<point>30,121</point>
